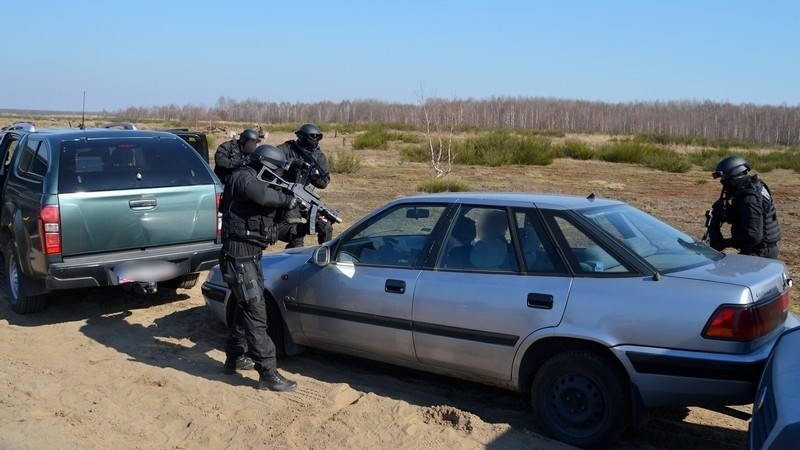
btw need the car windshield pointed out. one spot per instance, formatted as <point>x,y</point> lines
<point>129,163</point>
<point>664,247</point>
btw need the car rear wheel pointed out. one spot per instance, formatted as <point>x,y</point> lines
<point>580,398</point>
<point>187,281</point>
<point>20,303</point>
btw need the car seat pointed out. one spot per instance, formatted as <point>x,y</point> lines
<point>491,249</point>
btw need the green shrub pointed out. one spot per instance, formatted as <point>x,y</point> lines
<point>625,151</point>
<point>443,184</point>
<point>648,155</point>
<point>406,138</point>
<point>575,150</point>
<point>344,162</point>
<point>668,160</point>
<point>497,148</point>
<point>503,148</point>
<point>376,139</point>
<point>415,153</point>
<point>212,144</point>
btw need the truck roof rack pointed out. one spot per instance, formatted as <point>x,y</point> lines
<point>21,126</point>
<point>121,125</point>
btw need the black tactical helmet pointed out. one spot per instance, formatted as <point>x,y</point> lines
<point>731,167</point>
<point>270,156</point>
<point>250,135</point>
<point>309,131</point>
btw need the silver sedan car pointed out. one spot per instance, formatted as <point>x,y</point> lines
<point>597,309</point>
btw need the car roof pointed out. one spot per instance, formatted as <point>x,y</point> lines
<point>94,133</point>
<point>541,200</point>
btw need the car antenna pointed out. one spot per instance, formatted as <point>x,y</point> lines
<point>656,276</point>
<point>83,113</point>
<point>590,197</point>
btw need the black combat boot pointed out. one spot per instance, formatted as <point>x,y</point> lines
<point>240,363</point>
<point>276,382</point>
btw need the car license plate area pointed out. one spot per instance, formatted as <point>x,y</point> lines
<point>146,271</point>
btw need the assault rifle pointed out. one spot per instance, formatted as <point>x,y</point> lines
<point>714,221</point>
<point>307,195</point>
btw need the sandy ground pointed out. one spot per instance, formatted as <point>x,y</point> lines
<point>105,368</point>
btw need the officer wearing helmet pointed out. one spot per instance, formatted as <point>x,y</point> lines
<point>233,153</point>
<point>309,166</point>
<point>746,203</point>
<point>250,207</point>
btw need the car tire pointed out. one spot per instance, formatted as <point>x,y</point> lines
<point>20,303</point>
<point>275,326</point>
<point>581,399</point>
<point>187,281</point>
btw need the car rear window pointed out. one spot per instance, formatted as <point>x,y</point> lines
<point>129,163</point>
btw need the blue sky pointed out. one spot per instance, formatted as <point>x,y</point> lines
<point>150,52</point>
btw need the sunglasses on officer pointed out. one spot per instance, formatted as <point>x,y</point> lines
<point>315,136</point>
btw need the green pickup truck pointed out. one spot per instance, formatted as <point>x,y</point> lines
<point>104,207</point>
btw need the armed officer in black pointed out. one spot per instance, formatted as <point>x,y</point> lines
<point>234,153</point>
<point>250,207</point>
<point>309,167</point>
<point>746,204</point>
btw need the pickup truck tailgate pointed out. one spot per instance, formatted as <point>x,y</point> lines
<point>105,221</point>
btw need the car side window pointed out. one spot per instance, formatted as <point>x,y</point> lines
<point>479,239</point>
<point>40,161</point>
<point>538,253</point>
<point>28,154</point>
<point>589,255</point>
<point>396,238</point>
<point>12,147</point>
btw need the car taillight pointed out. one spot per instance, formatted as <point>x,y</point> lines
<point>50,229</point>
<point>219,215</point>
<point>745,322</point>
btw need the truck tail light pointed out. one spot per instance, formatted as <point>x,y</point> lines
<point>746,322</point>
<point>50,229</point>
<point>219,215</point>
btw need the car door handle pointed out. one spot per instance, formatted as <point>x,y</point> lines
<point>540,301</point>
<point>396,286</point>
<point>144,203</point>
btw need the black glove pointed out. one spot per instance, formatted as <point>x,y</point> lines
<point>290,202</point>
<point>716,241</point>
<point>298,163</point>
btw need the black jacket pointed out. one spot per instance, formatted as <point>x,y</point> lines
<point>249,208</point>
<point>228,157</point>
<point>753,217</point>
<point>315,158</point>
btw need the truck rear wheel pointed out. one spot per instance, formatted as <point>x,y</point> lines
<point>187,281</point>
<point>20,303</point>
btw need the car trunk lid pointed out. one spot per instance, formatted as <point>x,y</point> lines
<point>103,221</point>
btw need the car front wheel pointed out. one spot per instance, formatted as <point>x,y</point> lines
<point>580,398</point>
<point>20,303</point>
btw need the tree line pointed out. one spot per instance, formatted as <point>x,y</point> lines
<point>766,124</point>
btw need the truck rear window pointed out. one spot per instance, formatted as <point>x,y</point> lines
<point>129,163</point>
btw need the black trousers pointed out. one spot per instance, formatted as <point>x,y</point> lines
<point>240,263</point>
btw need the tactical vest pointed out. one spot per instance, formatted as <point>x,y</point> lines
<point>772,229</point>
<point>244,219</point>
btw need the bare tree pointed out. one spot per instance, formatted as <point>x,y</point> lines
<point>441,119</point>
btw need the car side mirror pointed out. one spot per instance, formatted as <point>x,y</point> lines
<point>321,256</point>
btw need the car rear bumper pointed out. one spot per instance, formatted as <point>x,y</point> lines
<point>100,270</point>
<point>681,378</point>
